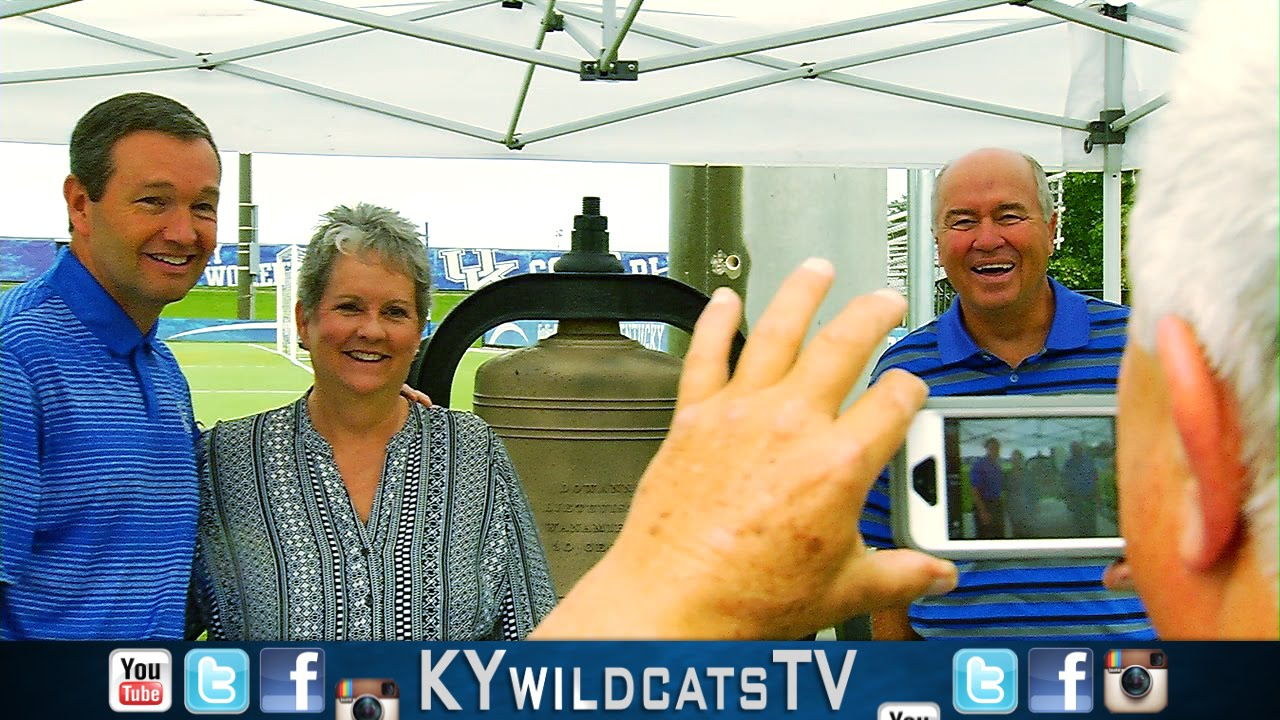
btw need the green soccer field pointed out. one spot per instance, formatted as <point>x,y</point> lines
<point>231,380</point>
<point>217,302</point>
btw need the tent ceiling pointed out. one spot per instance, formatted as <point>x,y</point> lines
<point>795,83</point>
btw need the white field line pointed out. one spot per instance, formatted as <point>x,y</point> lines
<point>273,351</point>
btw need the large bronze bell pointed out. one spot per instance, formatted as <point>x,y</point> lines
<point>582,413</point>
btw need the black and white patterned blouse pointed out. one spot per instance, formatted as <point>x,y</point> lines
<point>450,550</point>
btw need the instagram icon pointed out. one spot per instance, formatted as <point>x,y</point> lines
<point>1137,681</point>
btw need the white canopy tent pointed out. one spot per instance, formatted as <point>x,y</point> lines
<point>805,82</point>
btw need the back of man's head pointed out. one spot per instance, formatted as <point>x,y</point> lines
<point>97,132</point>
<point>1205,232</point>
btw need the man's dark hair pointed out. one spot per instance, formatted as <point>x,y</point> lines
<point>98,131</point>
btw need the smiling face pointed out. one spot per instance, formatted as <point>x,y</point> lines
<point>993,240</point>
<point>365,330</point>
<point>149,236</point>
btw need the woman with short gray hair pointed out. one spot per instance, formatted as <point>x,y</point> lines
<point>353,513</point>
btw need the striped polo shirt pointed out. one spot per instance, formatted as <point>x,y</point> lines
<point>1059,599</point>
<point>98,494</point>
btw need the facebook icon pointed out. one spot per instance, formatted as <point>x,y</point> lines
<point>1060,680</point>
<point>292,680</point>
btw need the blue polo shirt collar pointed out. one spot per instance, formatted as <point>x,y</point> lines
<point>1069,331</point>
<point>98,311</point>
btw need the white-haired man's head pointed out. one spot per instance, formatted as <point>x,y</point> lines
<point>1203,245</point>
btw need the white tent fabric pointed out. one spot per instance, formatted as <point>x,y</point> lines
<point>801,82</point>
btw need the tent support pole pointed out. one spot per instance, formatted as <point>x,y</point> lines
<point>1112,155</point>
<point>821,32</point>
<point>16,8</point>
<point>615,34</point>
<point>434,34</point>
<point>1157,17</point>
<point>1111,26</point>
<point>920,249</point>
<point>1144,110</point>
<point>547,17</point>
<point>608,25</point>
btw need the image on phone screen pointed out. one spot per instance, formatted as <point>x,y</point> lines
<point>1030,477</point>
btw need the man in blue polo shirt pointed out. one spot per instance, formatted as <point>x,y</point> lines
<point>1012,330</point>
<point>987,478</point>
<point>98,494</point>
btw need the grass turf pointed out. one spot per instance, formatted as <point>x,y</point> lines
<point>231,380</point>
<point>222,303</point>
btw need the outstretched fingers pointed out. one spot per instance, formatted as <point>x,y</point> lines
<point>776,337</point>
<point>873,429</point>
<point>706,363</point>
<point>834,359</point>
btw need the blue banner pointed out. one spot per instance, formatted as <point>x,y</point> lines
<point>473,268</point>
<point>222,272</point>
<point>886,681</point>
<point>526,333</point>
<point>465,269</point>
<point>24,258</point>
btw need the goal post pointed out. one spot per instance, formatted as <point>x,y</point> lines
<point>287,266</point>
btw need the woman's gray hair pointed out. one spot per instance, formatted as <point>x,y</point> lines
<point>365,229</point>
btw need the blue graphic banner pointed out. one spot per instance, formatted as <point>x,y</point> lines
<point>222,271</point>
<point>526,333</point>
<point>636,679</point>
<point>24,258</point>
<point>464,269</point>
<point>473,268</point>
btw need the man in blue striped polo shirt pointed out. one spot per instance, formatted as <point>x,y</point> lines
<point>1011,330</point>
<point>98,495</point>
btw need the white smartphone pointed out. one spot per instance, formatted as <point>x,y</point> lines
<point>1009,477</point>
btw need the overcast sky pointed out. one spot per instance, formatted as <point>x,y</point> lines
<point>526,204</point>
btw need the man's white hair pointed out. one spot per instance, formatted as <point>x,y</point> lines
<point>1205,231</point>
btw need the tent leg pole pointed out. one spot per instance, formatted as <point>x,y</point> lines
<point>1111,164</point>
<point>920,248</point>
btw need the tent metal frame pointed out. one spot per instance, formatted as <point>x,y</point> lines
<point>614,27</point>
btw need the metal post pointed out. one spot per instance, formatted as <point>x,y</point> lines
<point>1112,155</point>
<point>920,248</point>
<point>706,245</point>
<point>244,248</point>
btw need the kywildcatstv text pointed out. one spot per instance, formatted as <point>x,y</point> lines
<point>485,678</point>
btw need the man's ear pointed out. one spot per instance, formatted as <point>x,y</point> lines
<point>77,198</point>
<point>1208,423</point>
<point>1053,231</point>
<point>301,323</point>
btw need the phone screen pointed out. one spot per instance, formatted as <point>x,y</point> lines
<point>1030,477</point>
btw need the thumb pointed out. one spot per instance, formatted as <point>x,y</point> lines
<point>1118,576</point>
<point>883,579</point>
